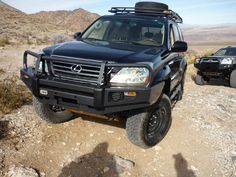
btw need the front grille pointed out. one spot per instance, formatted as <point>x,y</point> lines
<point>210,60</point>
<point>76,71</point>
<point>209,64</point>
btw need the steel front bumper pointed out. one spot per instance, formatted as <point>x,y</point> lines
<point>88,98</point>
<point>214,69</point>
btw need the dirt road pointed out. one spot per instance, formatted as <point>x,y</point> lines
<point>200,143</point>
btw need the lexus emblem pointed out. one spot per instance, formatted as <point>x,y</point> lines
<point>76,68</point>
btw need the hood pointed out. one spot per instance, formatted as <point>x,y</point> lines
<point>219,57</point>
<point>112,52</point>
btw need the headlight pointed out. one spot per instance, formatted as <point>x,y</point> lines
<point>227,61</point>
<point>131,75</point>
<point>197,60</point>
<point>40,69</point>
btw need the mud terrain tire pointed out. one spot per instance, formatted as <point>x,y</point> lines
<point>199,80</point>
<point>46,113</point>
<point>149,128</point>
<point>233,79</point>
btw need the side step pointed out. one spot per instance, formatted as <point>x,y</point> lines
<point>175,92</point>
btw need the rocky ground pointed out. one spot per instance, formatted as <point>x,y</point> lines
<point>200,143</point>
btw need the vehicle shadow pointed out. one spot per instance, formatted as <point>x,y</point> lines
<point>4,129</point>
<point>218,82</point>
<point>181,166</point>
<point>98,163</point>
<point>215,82</point>
<point>117,121</point>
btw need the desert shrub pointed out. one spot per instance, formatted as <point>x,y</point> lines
<point>29,40</point>
<point>12,94</point>
<point>46,39</point>
<point>207,53</point>
<point>2,71</point>
<point>192,71</point>
<point>59,38</point>
<point>191,56</point>
<point>4,41</point>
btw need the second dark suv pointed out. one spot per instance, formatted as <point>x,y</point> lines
<point>131,63</point>
<point>221,64</point>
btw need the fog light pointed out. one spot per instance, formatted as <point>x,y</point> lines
<point>26,76</point>
<point>116,96</point>
<point>43,92</point>
<point>133,94</point>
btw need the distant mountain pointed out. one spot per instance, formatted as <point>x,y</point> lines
<point>55,26</point>
<point>75,20</point>
<point>224,34</point>
<point>42,27</point>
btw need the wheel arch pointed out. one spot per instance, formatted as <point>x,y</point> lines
<point>166,89</point>
<point>164,75</point>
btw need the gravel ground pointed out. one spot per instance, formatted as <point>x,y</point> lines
<point>212,111</point>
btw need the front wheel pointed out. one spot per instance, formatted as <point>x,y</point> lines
<point>233,79</point>
<point>199,80</point>
<point>149,128</point>
<point>51,113</point>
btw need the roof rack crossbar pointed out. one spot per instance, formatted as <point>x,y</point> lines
<point>129,10</point>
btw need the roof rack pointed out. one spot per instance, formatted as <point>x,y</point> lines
<point>152,12</point>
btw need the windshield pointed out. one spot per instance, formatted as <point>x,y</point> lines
<point>131,31</point>
<point>226,52</point>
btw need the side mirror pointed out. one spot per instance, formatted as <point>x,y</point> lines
<point>77,35</point>
<point>179,46</point>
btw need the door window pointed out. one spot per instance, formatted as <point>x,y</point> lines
<point>172,39</point>
<point>180,33</point>
<point>176,33</point>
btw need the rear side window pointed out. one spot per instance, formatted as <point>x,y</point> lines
<point>231,52</point>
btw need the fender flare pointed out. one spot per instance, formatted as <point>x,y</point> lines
<point>183,66</point>
<point>163,75</point>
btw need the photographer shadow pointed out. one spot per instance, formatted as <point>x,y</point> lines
<point>98,163</point>
<point>4,129</point>
<point>181,166</point>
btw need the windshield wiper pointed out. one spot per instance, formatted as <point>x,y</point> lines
<point>126,42</point>
<point>138,43</point>
<point>93,39</point>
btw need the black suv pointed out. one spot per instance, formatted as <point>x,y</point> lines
<point>130,63</point>
<point>221,64</point>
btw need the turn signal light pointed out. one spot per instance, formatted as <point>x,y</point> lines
<point>133,94</point>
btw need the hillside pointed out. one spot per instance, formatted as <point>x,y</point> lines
<point>210,35</point>
<point>75,20</point>
<point>16,27</point>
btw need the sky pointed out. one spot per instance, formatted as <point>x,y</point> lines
<point>193,12</point>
